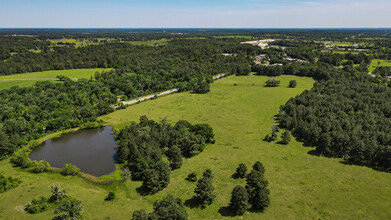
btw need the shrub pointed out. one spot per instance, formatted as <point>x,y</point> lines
<point>37,205</point>
<point>292,84</point>
<point>192,177</point>
<point>285,137</point>
<point>7,183</point>
<point>110,196</point>
<point>70,169</point>
<point>40,166</point>
<point>70,207</point>
<point>21,159</point>
<point>272,83</point>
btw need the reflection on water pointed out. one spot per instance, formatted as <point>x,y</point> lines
<point>92,150</point>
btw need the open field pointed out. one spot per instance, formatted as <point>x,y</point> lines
<point>302,186</point>
<point>78,42</point>
<point>28,79</point>
<point>160,42</point>
<point>375,63</point>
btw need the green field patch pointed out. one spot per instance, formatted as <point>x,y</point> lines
<point>29,79</point>
<point>160,42</point>
<point>377,62</point>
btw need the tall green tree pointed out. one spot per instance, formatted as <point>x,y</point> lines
<point>239,200</point>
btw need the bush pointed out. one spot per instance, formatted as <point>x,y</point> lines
<point>110,196</point>
<point>285,137</point>
<point>70,207</point>
<point>40,166</point>
<point>7,183</point>
<point>57,194</point>
<point>272,83</point>
<point>241,171</point>
<point>292,84</point>
<point>37,205</point>
<point>21,159</point>
<point>70,170</point>
<point>192,177</point>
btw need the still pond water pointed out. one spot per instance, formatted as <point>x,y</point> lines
<point>92,150</point>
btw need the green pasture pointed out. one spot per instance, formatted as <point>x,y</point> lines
<point>29,79</point>
<point>302,186</point>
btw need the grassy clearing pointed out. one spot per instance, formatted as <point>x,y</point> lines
<point>236,37</point>
<point>29,79</point>
<point>78,42</point>
<point>160,42</point>
<point>375,63</point>
<point>302,186</point>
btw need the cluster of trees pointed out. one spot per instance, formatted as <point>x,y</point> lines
<point>255,194</point>
<point>272,83</point>
<point>67,206</point>
<point>141,148</point>
<point>348,116</point>
<point>317,71</point>
<point>8,183</point>
<point>28,113</point>
<point>10,45</point>
<point>382,71</point>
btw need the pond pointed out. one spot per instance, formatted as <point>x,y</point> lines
<point>92,150</point>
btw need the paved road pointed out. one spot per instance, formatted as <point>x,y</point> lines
<point>149,97</point>
<point>131,102</point>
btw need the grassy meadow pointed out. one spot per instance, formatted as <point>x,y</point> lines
<point>151,43</point>
<point>29,79</point>
<point>302,186</point>
<point>375,63</point>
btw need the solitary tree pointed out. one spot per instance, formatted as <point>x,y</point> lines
<point>292,84</point>
<point>239,200</point>
<point>257,191</point>
<point>169,208</point>
<point>204,190</point>
<point>241,171</point>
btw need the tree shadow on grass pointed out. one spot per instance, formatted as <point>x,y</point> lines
<point>143,191</point>
<point>226,212</point>
<point>192,203</point>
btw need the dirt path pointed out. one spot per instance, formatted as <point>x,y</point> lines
<point>131,102</point>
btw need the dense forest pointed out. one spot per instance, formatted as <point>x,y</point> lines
<point>347,116</point>
<point>28,113</point>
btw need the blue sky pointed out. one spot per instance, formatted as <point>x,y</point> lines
<point>195,13</point>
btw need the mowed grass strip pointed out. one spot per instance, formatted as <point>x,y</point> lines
<point>302,186</point>
<point>29,79</point>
